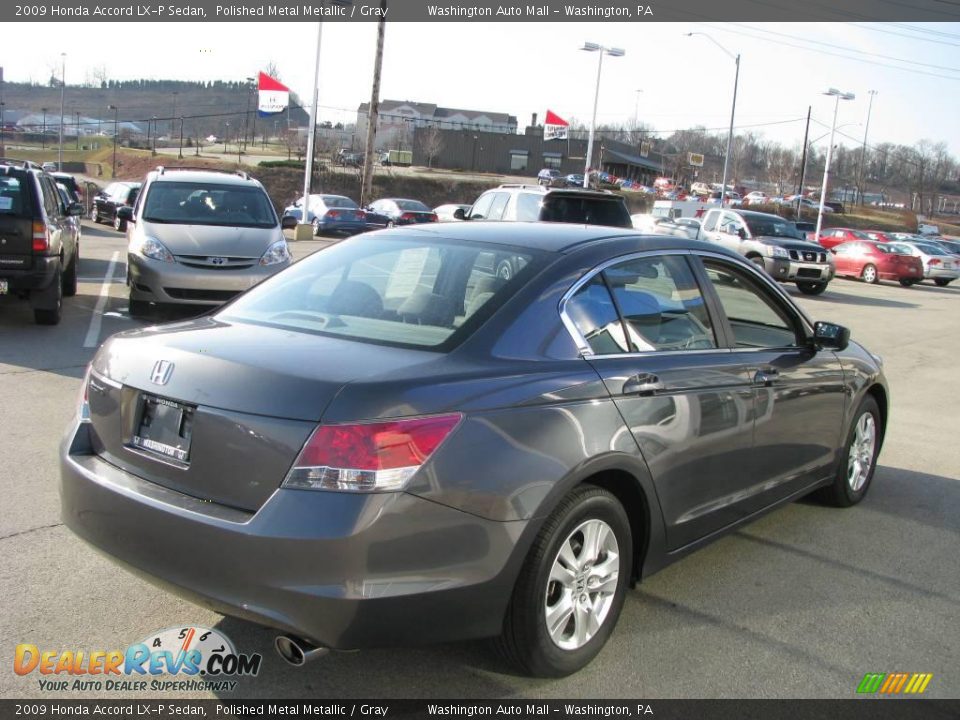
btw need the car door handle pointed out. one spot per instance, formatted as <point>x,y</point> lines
<point>766,377</point>
<point>642,384</point>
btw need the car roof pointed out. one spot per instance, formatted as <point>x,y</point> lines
<point>172,174</point>
<point>747,214</point>
<point>547,236</point>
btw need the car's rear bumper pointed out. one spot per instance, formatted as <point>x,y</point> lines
<point>36,276</point>
<point>174,283</point>
<point>342,570</point>
<point>934,274</point>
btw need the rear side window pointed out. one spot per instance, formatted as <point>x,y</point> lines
<point>585,210</point>
<point>15,199</point>
<point>394,292</point>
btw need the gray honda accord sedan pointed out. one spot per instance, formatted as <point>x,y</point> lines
<point>387,443</point>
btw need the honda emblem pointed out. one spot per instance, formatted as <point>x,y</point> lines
<point>162,370</point>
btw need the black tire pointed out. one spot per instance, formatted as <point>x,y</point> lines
<point>869,274</point>
<point>843,492</point>
<point>504,270</point>
<point>51,316</point>
<point>757,260</point>
<point>70,276</point>
<point>811,288</point>
<point>525,640</point>
<point>907,282</point>
<point>942,282</point>
<point>316,227</point>
<point>119,225</point>
<point>95,215</point>
<point>138,308</point>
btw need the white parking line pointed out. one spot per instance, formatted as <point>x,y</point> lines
<point>93,333</point>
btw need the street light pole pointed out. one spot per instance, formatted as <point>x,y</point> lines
<point>115,109</point>
<point>63,87</point>
<point>613,52</point>
<point>43,133</point>
<point>312,129</point>
<point>733,110</point>
<point>863,149</point>
<point>833,92</point>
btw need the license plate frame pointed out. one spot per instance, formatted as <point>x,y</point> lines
<point>164,428</point>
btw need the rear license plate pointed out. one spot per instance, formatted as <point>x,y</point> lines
<point>164,428</point>
<point>808,272</point>
<point>4,287</point>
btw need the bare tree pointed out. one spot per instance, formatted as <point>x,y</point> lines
<point>431,143</point>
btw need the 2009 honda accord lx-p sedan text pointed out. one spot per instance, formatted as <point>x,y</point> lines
<point>387,443</point>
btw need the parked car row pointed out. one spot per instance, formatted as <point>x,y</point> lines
<point>340,215</point>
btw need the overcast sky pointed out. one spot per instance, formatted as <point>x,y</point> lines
<point>522,68</point>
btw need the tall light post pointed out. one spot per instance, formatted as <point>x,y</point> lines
<point>601,51</point>
<point>43,133</point>
<point>834,93</point>
<point>863,149</point>
<point>63,87</point>
<point>116,137</point>
<point>733,110</point>
<point>803,164</point>
<point>174,116</point>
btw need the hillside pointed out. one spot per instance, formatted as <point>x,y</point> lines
<point>205,107</point>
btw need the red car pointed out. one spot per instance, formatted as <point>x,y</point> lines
<point>835,236</point>
<point>874,261</point>
<point>879,236</point>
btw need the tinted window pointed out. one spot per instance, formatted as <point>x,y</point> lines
<point>756,319</point>
<point>585,210</point>
<point>414,205</point>
<point>193,203</point>
<point>396,292</point>
<point>592,311</point>
<point>661,304</point>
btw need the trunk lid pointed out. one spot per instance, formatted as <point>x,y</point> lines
<point>218,410</point>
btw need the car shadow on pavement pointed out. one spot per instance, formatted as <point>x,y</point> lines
<point>430,671</point>
<point>835,298</point>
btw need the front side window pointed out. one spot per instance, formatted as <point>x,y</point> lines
<point>197,203</point>
<point>710,223</point>
<point>756,319</point>
<point>661,304</point>
<point>481,208</point>
<point>498,205</point>
<point>393,292</point>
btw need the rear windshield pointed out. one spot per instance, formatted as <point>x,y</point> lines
<point>585,210</point>
<point>193,203</point>
<point>338,201</point>
<point>14,197</point>
<point>415,205</point>
<point>389,290</point>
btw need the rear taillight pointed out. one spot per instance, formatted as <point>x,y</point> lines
<point>933,261</point>
<point>41,237</point>
<point>332,214</point>
<point>433,217</point>
<point>407,216</point>
<point>368,457</point>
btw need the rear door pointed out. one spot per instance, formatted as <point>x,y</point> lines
<point>686,399</point>
<point>62,231</point>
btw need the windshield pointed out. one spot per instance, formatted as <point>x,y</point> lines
<point>194,203</point>
<point>338,201</point>
<point>772,227</point>
<point>412,205</point>
<point>390,291</point>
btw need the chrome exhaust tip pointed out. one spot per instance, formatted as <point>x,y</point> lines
<point>297,651</point>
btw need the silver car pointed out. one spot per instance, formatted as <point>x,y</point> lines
<point>200,237</point>
<point>939,265</point>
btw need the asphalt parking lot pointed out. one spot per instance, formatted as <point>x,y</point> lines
<point>802,603</point>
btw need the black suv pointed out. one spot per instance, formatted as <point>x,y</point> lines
<point>542,204</point>
<point>39,242</point>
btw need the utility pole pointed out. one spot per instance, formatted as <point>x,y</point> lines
<point>366,184</point>
<point>63,87</point>
<point>803,161</point>
<point>863,149</point>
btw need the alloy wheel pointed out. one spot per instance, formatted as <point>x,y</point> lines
<point>583,580</point>
<point>862,448</point>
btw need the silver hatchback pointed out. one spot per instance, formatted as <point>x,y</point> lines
<point>200,237</point>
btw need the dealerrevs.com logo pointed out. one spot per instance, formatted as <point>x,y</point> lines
<point>182,658</point>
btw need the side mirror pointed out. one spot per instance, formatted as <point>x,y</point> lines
<point>831,335</point>
<point>125,213</point>
<point>459,214</point>
<point>75,209</point>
